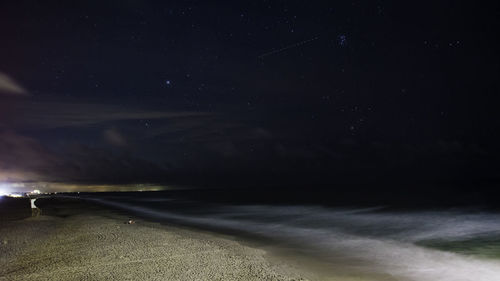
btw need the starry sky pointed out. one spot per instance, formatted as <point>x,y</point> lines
<point>242,93</point>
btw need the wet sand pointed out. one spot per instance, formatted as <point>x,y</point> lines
<point>76,241</point>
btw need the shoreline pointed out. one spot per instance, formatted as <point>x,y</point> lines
<point>76,241</point>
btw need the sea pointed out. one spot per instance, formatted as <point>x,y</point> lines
<point>433,241</point>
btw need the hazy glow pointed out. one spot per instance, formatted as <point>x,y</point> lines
<point>51,187</point>
<point>4,189</point>
<point>15,195</point>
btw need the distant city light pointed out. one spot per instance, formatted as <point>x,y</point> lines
<point>13,189</point>
<point>16,195</point>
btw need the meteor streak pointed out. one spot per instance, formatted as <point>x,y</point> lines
<point>287,47</point>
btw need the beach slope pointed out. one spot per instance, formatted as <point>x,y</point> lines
<point>76,241</point>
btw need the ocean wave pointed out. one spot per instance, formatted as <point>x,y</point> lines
<point>378,241</point>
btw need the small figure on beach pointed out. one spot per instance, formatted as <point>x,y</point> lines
<point>130,221</point>
<point>35,211</point>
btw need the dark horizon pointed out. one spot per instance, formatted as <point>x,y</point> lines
<point>385,97</point>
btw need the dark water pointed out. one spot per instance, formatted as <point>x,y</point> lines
<point>415,243</point>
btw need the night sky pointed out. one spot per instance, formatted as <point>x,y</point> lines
<point>249,93</point>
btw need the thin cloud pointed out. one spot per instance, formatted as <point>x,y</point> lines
<point>114,137</point>
<point>10,87</point>
<point>25,159</point>
<point>50,115</point>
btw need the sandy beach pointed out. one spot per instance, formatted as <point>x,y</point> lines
<point>75,241</point>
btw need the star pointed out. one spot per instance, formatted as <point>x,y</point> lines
<point>342,40</point>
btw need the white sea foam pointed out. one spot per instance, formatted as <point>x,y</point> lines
<point>379,242</point>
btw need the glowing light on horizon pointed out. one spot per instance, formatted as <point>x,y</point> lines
<point>15,195</point>
<point>4,190</point>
